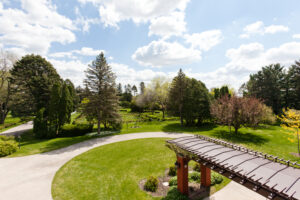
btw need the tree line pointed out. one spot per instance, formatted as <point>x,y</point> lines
<point>31,86</point>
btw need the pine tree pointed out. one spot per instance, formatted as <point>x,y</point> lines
<point>54,107</point>
<point>119,89</point>
<point>142,87</point>
<point>134,89</point>
<point>176,95</point>
<point>102,103</point>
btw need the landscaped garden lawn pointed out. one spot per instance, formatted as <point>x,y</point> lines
<point>114,171</point>
<point>11,122</point>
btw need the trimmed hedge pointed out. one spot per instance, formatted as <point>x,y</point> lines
<point>216,178</point>
<point>8,145</point>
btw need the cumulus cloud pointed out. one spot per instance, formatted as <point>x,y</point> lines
<point>162,53</point>
<point>204,40</point>
<point>114,11</point>
<point>167,26</point>
<point>248,59</point>
<point>33,27</point>
<point>84,51</point>
<point>259,28</point>
<point>296,36</point>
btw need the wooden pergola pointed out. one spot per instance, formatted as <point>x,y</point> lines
<point>265,174</point>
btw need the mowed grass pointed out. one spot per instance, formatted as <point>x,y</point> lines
<point>114,171</point>
<point>11,122</point>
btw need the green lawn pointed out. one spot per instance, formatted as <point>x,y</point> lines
<point>113,171</point>
<point>11,122</point>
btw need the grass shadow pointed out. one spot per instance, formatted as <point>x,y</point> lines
<point>176,127</point>
<point>242,138</point>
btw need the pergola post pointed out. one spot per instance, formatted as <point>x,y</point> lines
<point>182,174</point>
<point>205,176</point>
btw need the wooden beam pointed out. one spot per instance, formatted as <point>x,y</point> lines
<point>182,174</point>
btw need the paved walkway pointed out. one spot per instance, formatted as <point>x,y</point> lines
<point>18,130</point>
<point>30,177</point>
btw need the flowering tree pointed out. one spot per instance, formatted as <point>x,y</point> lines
<point>291,121</point>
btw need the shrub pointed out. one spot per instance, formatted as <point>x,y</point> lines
<point>173,181</point>
<point>172,171</point>
<point>195,176</point>
<point>151,184</point>
<point>8,145</point>
<point>216,178</point>
<point>197,167</point>
<point>174,194</point>
<point>71,130</point>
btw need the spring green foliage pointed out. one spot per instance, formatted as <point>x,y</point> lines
<point>8,145</point>
<point>102,101</point>
<point>174,194</point>
<point>151,184</point>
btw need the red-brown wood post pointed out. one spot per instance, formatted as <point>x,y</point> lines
<point>205,176</point>
<point>182,174</point>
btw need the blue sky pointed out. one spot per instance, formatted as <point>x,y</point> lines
<point>217,42</point>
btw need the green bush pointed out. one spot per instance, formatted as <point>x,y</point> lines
<point>195,176</point>
<point>8,145</point>
<point>197,167</point>
<point>216,178</point>
<point>172,171</point>
<point>151,184</point>
<point>174,194</point>
<point>71,130</point>
<point>173,181</point>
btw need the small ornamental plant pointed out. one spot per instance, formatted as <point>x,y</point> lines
<point>172,171</point>
<point>151,184</point>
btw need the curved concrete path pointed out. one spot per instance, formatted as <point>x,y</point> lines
<point>18,130</point>
<point>30,177</point>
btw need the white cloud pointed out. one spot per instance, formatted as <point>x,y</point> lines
<point>34,26</point>
<point>84,51</point>
<point>84,22</point>
<point>248,59</point>
<point>204,40</point>
<point>167,26</point>
<point>114,11</point>
<point>162,53</point>
<point>259,28</point>
<point>276,28</point>
<point>127,75</point>
<point>296,36</point>
<point>73,70</point>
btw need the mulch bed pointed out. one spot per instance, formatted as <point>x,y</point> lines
<point>195,189</point>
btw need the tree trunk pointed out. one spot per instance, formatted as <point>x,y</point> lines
<point>163,111</point>
<point>180,113</point>
<point>236,130</point>
<point>98,126</point>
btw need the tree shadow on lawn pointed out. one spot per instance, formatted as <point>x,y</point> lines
<point>241,138</point>
<point>177,128</point>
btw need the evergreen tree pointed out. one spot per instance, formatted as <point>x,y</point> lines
<point>54,108</point>
<point>142,87</point>
<point>268,85</point>
<point>65,105</point>
<point>134,89</point>
<point>33,78</point>
<point>176,95</point>
<point>102,103</point>
<point>119,89</point>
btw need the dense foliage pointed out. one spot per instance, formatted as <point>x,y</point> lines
<point>277,87</point>
<point>8,145</point>
<point>189,99</point>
